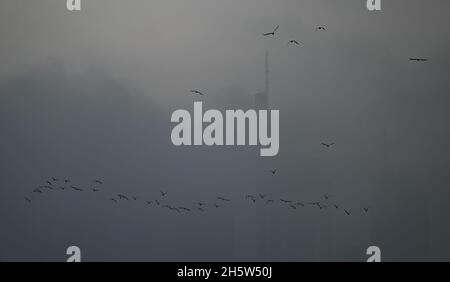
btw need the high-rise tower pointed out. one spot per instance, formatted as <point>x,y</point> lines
<point>262,98</point>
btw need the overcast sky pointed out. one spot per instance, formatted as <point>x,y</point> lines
<point>89,95</point>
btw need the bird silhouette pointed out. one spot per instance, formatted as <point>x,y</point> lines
<point>217,206</point>
<point>197,92</point>
<point>163,194</point>
<point>27,199</point>
<point>286,201</point>
<point>123,197</point>
<point>158,202</point>
<point>273,32</point>
<point>66,181</point>
<point>294,42</point>
<point>347,212</point>
<point>326,197</point>
<point>366,210</point>
<point>418,59</point>
<point>201,204</point>
<point>274,171</point>
<point>321,28</point>
<point>98,182</point>
<point>37,191</point>
<point>201,209</point>
<point>149,202</point>
<point>77,189</point>
<point>328,145</point>
<point>336,206</point>
<point>114,200</point>
<point>185,209</point>
<point>223,199</point>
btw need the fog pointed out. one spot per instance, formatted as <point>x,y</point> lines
<point>89,95</point>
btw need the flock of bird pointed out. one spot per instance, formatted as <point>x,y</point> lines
<point>326,202</point>
<point>163,201</point>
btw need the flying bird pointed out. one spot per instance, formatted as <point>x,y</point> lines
<point>326,197</point>
<point>273,32</point>
<point>114,200</point>
<point>328,145</point>
<point>418,59</point>
<point>321,28</point>
<point>294,207</point>
<point>27,199</point>
<point>66,181</point>
<point>163,193</point>
<point>294,42</point>
<point>123,197</point>
<point>347,212</point>
<point>37,191</point>
<point>197,92</point>
<point>223,199</point>
<point>48,182</point>
<point>366,210</point>
<point>274,171</point>
<point>286,201</point>
<point>336,206</point>
<point>98,182</point>
<point>149,202</point>
<point>77,189</point>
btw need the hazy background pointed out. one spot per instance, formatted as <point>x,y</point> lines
<point>89,95</point>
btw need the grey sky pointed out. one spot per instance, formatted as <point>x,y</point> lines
<point>89,95</point>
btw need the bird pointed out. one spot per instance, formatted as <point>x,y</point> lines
<point>273,32</point>
<point>27,199</point>
<point>326,197</point>
<point>98,182</point>
<point>217,206</point>
<point>114,200</point>
<point>328,145</point>
<point>185,209</point>
<point>157,202</point>
<point>347,212</point>
<point>223,199</point>
<point>293,207</point>
<point>286,201</point>
<point>366,210</point>
<point>294,42</point>
<point>274,171</point>
<point>77,189</point>
<point>321,207</point>
<point>322,28</point>
<point>149,202</point>
<point>134,198</point>
<point>163,193</point>
<point>123,197</point>
<point>197,92</point>
<point>336,206</point>
<point>201,204</point>
<point>66,181</point>
<point>418,59</point>
<point>37,191</point>
<point>201,209</point>
<point>62,188</point>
